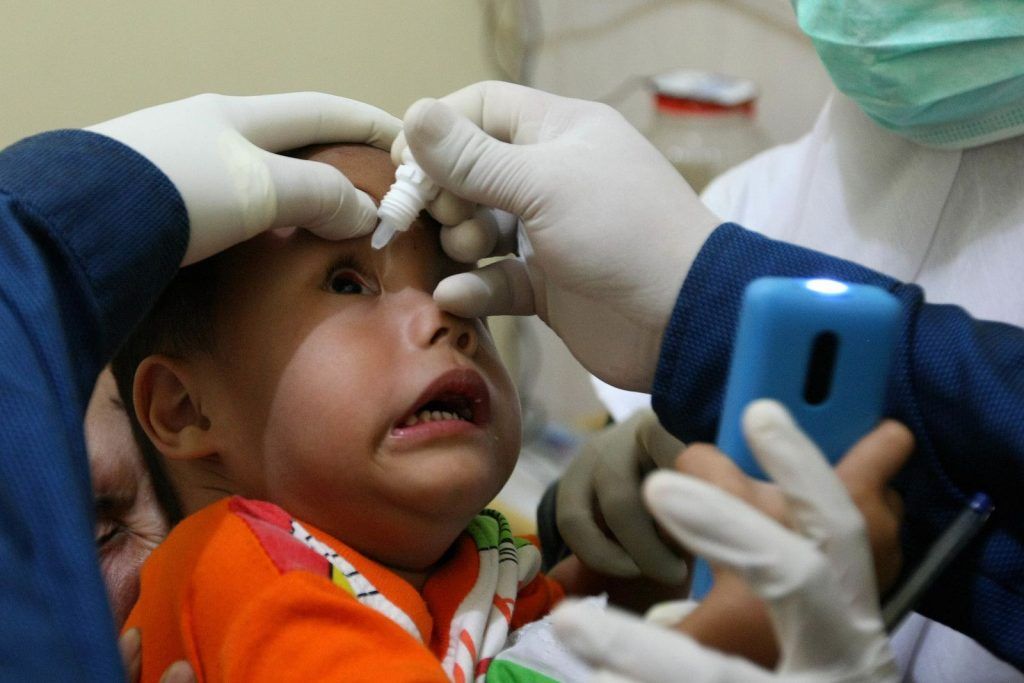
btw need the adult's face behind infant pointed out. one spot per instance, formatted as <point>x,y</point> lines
<point>129,521</point>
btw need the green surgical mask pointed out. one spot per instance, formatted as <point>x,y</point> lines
<point>944,73</point>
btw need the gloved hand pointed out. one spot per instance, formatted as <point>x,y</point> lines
<point>609,228</point>
<point>217,150</point>
<point>608,471</point>
<point>817,581</point>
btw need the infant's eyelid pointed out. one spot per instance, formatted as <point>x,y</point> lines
<point>355,273</point>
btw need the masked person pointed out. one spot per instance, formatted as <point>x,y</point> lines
<point>912,170</point>
<point>924,159</point>
<point>609,234</point>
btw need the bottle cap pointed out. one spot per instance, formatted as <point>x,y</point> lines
<point>703,92</point>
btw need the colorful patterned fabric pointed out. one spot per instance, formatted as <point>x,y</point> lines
<point>245,592</point>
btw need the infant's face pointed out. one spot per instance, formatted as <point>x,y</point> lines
<point>328,354</point>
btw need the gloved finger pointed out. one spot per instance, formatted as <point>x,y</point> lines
<point>500,288</point>
<point>660,446</point>
<point>617,482</point>
<point>692,510</point>
<point>614,641</point>
<point>448,209</point>
<point>574,515</point>
<point>499,108</point>
<point>670,613</point>
<point>817,499</point>
<point>471,240</point>
<point>290,120</point>
<point>468,232</point>
<point>809,608</point>
<point>130,647</point>
<point>397,147</point>
<point>461,158</point>
<point>320,198</point>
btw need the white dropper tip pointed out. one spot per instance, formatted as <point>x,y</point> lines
<point>384,233</point>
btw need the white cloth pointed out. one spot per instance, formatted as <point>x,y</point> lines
<point>621,404</point>
<point>535,647</point>
<point>929,652</point>
<point>950,221</point>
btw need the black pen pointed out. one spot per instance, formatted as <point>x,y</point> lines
<point>943,551</point>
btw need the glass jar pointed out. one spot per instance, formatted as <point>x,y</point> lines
<point>704,123</point>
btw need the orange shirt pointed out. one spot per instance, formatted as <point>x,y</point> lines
<point>233,592</point>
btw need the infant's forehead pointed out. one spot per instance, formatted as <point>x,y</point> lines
<point>368,168</point>
<point>420,247</point>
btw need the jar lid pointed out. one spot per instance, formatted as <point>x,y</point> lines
<point>705,87</point>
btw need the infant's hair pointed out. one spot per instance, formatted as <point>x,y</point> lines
<point>179,325</point>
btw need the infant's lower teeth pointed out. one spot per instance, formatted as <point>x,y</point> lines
<point>435,415</point>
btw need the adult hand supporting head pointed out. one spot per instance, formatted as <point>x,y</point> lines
<point>609,228</point>
<point>218,152</point>
<point>817,580</point>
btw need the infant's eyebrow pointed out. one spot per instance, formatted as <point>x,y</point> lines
<point>350,261</point>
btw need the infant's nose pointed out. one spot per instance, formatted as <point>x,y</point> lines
<point>457,332</point>
<point>431,326</point>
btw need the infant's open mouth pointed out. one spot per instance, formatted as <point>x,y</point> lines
<point>455,395</point>
<point>456,408</point>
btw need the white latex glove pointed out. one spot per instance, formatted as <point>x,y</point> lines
<point>818,581</point>
<point>608,472</point>
<point>609,228</point>
<point>217,150</point>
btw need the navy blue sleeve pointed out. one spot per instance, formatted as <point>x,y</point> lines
<point>91,231</point>
<point>958,384</point>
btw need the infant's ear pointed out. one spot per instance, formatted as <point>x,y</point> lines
<point>168,404</point>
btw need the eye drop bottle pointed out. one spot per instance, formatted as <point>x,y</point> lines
<point>410,194</point>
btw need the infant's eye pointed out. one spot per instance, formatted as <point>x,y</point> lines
<point>346,283</point>
<point>348,275</point>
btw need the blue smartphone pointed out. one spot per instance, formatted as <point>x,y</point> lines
<point>822,348</point>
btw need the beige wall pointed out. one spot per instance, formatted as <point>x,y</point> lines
<point>69,63</point>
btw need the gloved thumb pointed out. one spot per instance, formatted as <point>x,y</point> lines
<point>465,160</point>
<point>501,288</point>
<point>616,643</point>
